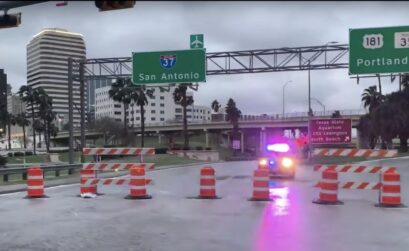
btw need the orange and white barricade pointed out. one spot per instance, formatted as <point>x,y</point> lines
<point>207,183</point>
<point>328,189</point>
<point>367,153</point>
<point>388,186</point>
<point>390,192</point>
<point>138,184</point>
<point>91,182</point>
<point>261,190</point>
<point>35,183</point>
<point>86,187</point>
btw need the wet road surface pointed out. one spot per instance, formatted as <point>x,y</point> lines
<point>170,221</point>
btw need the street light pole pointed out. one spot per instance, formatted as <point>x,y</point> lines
<point>309,89</point>
<point>284,95</point>
<point>320,103</point>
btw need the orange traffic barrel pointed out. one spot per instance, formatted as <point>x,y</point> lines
<point>328,189</point>
<point>207,183</point>
<point>35,183</point>
<point>84,176</point>
<point>138,183</point>
<point>389,194</point>
<point>261,190</point>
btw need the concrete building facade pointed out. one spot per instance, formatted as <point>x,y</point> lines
<point>47,67</point>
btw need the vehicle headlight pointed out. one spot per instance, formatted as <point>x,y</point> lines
<point>287,162</point>
<point>263,162</point>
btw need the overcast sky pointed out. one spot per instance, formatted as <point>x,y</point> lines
<point>227,26</point>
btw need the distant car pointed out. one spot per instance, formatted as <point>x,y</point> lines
<point>280,158</point>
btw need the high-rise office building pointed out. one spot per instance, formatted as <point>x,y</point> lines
<point>47,67</point>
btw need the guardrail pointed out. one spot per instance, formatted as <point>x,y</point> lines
<point>6,172</point>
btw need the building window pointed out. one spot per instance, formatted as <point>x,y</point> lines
<point>137,118</point>
<point>153,111</point>
<point>162,112</point>
<point>162,105</point>
<point>162,119</point>
<point>178,110</point>
<point>117,113</point>
<point>162,97</point>
<point>117,106</point>
<point>153,119</point>
<point>153,104</point>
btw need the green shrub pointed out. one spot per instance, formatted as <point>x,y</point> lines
<point>29,153</point>
<point>208,148</point>
<point>161,150</point>
<point>18,154</point>
<point>199,148</point>
<point>3,161</point>
<point>10,154</point>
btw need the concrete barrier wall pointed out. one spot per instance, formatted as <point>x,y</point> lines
<point>209,155</point>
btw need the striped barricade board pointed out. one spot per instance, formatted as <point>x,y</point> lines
<point>354,168</point>
<point>116,166</point>
<point>112,181</point>
<point>354,152</point>
<point>119,151</point>
<point>357,185</point>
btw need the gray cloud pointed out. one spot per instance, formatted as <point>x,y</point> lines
<point>227,26</point>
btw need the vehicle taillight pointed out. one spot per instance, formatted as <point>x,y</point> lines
<point>287,162</point>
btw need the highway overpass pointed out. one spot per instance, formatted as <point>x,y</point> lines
<point>254,125</point>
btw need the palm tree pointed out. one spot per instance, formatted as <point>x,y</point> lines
<point>39,127</point>
<point>216,106</point>
<point>10,120</point>
<point>45,112</point>
<point>22,121</point>
<point>233,115</point>
<point>140,97</point>
<point>371,98</point>
<point>54,132</point>
<point>29,96</point>
<point>121,91</point>
<point>180,98</point>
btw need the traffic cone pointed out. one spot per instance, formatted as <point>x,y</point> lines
<point>138,184</point>
<point>389,194</point>
<point>35,183</point>
<point>328,189</point>
<point>260,185</point>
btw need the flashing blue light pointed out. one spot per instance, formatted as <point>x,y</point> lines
<point>272,162</point>
<point>281,148</point>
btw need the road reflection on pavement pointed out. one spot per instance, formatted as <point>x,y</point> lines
<point>279,223</point>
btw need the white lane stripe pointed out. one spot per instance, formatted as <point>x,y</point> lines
<point>35,187</point>
<point>261,189</point>
<point>133,187</point>
<point>328,191</point>
<point>261,179</point>
<point>207,187</point>
<point>329,181</point>
<point>390,183</point>
<point>390,194</point>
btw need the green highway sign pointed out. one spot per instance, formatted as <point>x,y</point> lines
<point>196,41</point>
<point>379,50</point>
<point>157,67</point>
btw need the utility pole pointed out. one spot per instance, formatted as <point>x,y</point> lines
<point>82,100</point>
<point>70,113</point>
